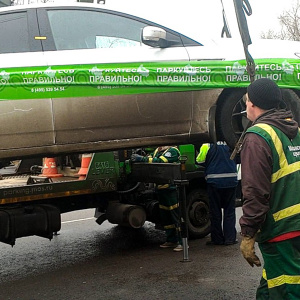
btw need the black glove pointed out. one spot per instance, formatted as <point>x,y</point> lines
<point>136,158</point>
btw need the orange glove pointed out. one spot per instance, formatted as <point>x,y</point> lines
<point>248,251</point>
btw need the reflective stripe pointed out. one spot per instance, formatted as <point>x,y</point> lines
<point>163,159</point>
<point>287,212</point>
<point>283,279</point>
<point>222,175</point>
<point>169,226</point>
<point>169,207</point>
<point>285,168</point>
<point>280,280</point>
<point>264,274</point>
<point>163,186</point>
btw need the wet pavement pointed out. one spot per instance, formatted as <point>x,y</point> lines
<point>88,261</point>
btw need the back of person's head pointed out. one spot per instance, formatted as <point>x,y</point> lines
<point>265,94</point>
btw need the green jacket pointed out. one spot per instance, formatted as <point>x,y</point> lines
<point>284,213</point>
<point>164,155</point>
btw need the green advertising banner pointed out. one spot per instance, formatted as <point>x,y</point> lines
<point>137,78</point>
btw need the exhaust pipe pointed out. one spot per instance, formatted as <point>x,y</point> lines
<point>126,215</point>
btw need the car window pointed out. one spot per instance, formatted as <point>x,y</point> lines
<point>114,42</point>
<point>87,29</point>
<point>14,33</point>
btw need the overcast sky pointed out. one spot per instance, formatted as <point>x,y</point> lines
<point>198,18</point>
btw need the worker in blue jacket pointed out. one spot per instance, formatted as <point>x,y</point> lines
<point>221,178</point>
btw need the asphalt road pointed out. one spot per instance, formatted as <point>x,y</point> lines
<point>88,261</point>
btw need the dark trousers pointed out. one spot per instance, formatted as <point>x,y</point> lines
<point>218,199</point>
<point>169,214</point>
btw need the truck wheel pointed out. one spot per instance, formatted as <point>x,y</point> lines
<point>198,213</point>
<point>230,123</point>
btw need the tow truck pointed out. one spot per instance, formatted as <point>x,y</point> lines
<point>34,193</point>
<point>64,148</point>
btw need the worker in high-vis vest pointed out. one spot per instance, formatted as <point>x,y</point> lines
<point>167,196</point>
<point>221,178</point>
<point>270,159</point>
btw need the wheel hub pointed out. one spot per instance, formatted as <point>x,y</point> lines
<point>199,214</point>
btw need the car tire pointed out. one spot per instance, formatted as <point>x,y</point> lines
<point>292,102</point>
<point>230,123</point>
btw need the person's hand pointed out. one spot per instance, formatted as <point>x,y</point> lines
<point>247,249</point>
<point>136,158</point>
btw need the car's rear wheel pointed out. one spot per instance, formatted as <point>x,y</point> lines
<point>292,102</point>
<point>230,121</point>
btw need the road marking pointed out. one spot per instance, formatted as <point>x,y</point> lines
<point>78,220</point>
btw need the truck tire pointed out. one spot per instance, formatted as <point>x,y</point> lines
<point>230,123</point>
<point>198,221</point>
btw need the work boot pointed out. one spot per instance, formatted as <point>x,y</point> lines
<point>168,245</point>
<point>178,248</point>
<point>230,243</point>
<point>211,243</point>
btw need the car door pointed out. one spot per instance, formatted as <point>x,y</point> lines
<point>109,116</point>
<point>25,117</point>
<point>92,37</point>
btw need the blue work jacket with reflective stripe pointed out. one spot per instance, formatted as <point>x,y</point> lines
<point>220,170</point>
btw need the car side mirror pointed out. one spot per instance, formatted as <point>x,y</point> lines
<point>154,37</point>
